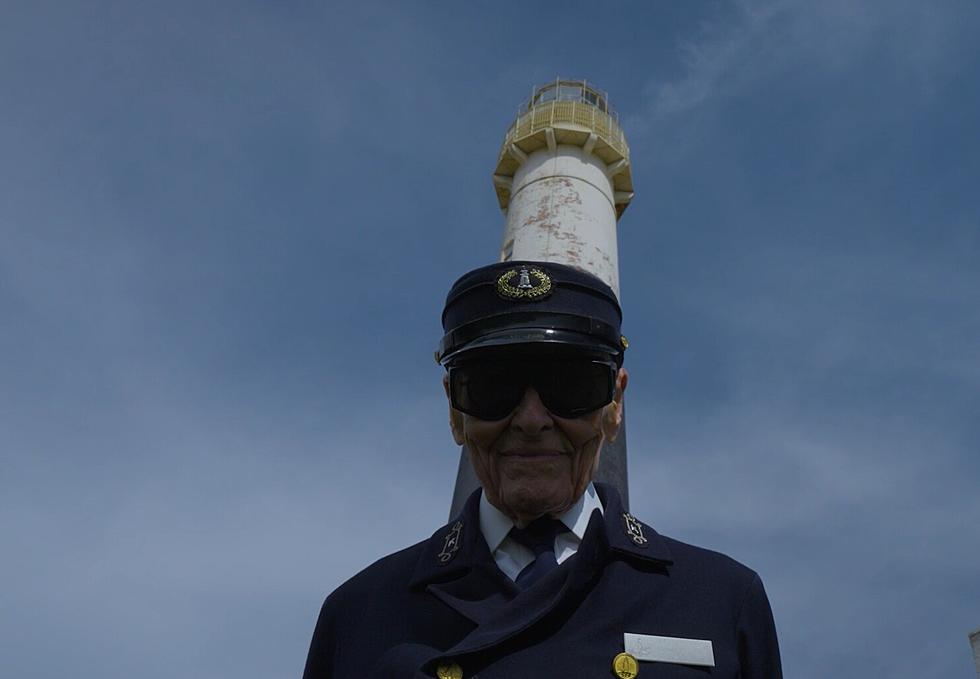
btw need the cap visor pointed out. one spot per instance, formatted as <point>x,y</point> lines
<point>531,338</point>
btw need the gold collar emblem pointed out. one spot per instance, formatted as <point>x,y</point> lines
<point>634,530</point>
<point>451,544</point>
<point>527,284</point>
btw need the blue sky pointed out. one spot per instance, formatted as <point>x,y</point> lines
<point>225,236</point>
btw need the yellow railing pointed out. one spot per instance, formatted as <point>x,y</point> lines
<point>552,113</point>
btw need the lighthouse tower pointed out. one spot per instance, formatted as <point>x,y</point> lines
<point>563,180</point>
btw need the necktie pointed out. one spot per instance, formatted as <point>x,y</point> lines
<point>539,537</point>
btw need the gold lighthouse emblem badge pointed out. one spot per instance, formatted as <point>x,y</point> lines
<point>625,666</point>
<point>524,283</point>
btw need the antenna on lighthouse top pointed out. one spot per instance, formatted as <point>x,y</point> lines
<point>563,179</point>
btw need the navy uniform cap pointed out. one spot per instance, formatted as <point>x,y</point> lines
<point>528,305</point>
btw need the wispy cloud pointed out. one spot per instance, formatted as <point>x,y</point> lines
<point>757,39</point>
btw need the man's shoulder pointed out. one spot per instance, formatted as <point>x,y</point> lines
<point>686,554</point>
<point>401,574</point>
<point>699,566</point>
<point>701,578</point>
<point>393,571</point>
<point>685,561</point>
<point>370,612</point>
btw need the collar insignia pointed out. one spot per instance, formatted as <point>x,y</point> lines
<point>634,530</point>
<point>451,544</point>
<point>526,284</point>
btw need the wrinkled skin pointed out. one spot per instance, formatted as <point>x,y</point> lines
<point>533,463</point>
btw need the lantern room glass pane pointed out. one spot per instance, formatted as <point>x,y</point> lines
<point>569,90</point>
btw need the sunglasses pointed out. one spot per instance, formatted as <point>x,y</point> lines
<point>568,387</point>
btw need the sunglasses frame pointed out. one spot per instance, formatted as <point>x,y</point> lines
<point>613,368</point>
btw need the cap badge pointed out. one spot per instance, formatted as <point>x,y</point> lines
<point>451,544</point>
<point>524,283</point>
<point>634,530</point>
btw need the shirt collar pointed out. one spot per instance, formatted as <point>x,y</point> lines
<point>578,515</point>
<point>495,525</point>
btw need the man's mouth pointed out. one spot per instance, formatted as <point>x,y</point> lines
<point>525,453</point>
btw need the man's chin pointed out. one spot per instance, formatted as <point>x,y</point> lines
<point>529,501</point>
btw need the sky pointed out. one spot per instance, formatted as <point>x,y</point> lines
<point>227,230</point>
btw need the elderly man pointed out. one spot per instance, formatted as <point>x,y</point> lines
<point>543,574</point>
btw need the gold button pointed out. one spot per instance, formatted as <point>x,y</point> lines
<point>450,671</point>
<point>625,666</point>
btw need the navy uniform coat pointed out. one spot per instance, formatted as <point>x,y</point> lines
<point>444,600</point>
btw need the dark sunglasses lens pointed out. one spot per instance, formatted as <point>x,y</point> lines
<point>573,388</point>
<point>568,388</point>
<point>486,390</point>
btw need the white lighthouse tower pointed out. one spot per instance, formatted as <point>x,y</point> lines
<point>563,179</point>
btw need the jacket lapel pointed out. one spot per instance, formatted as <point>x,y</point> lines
<point>457,568</point>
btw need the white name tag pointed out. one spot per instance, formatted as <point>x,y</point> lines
<point>669,649</point>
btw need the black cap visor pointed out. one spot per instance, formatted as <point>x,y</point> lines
<point>529,340</point>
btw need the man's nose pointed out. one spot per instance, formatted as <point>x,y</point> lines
<point>531,416</point>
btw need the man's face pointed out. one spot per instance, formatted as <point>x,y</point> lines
<point>532,462</point>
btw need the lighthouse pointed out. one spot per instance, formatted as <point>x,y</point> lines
<point>563,180</point>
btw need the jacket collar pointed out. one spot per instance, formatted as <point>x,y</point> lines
<point>628,536</point>
<point>459,546</point>
<point>453,549</point>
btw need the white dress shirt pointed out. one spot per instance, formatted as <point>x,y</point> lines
<point>511,556</point>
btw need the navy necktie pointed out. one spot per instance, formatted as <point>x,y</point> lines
<point>539,537</point>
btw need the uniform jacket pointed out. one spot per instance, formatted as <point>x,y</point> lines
<point>444,600</point>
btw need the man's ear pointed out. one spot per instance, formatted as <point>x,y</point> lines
<point>455,417</point>
<point>612,414</point>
